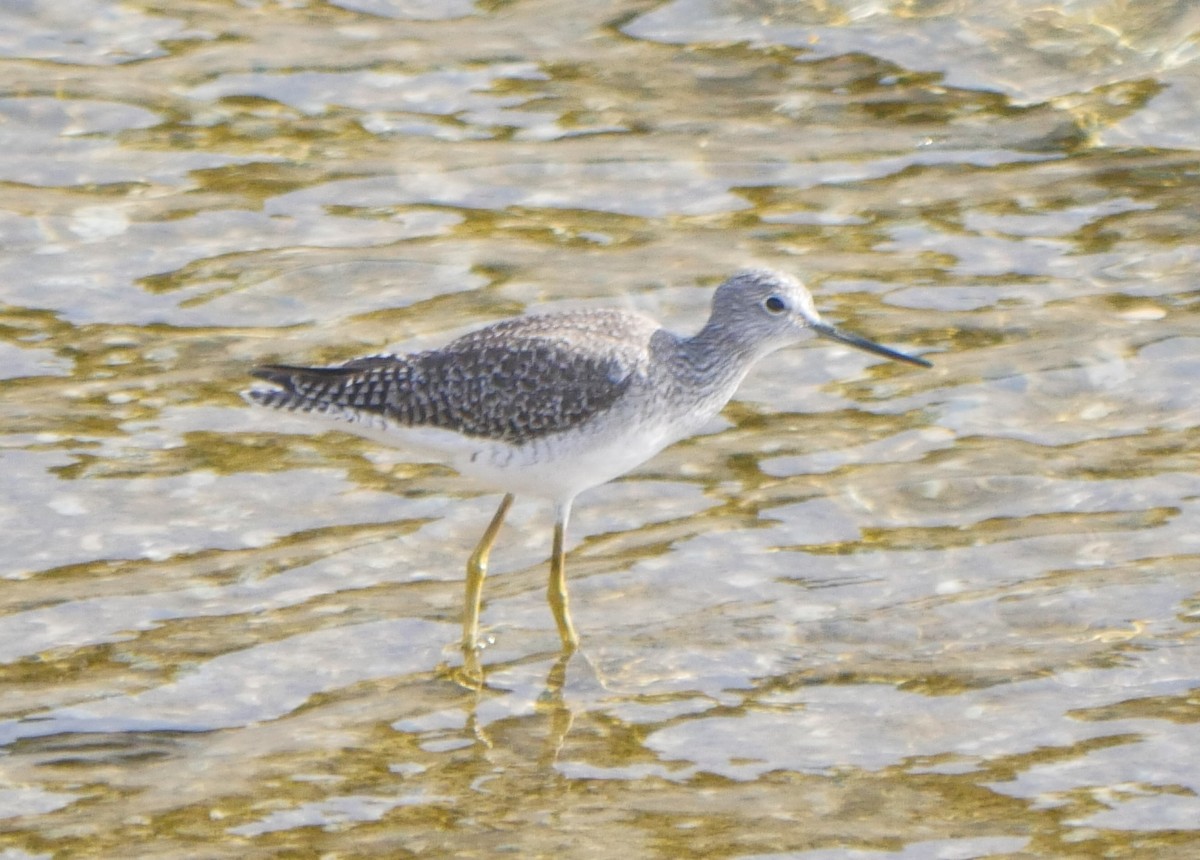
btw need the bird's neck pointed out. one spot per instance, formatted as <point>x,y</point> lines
<point>714,357</point>
<point>716,343</point>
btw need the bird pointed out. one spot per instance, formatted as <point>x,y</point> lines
<point>550,405</point>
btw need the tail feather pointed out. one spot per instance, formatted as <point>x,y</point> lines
<point>305,388</point>
<point>339,392</point>
<point>288,375</point>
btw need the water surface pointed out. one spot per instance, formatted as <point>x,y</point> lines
<point>872,612</point>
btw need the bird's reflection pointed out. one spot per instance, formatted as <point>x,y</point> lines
<point>551,705</point>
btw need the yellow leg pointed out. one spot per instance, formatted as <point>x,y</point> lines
<point>476,571</point>
<point>557,591</point>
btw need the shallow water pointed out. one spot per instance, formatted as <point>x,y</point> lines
<point>872,612</point>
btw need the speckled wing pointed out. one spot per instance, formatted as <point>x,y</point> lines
<point>514,381</point>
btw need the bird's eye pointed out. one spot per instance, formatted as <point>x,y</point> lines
<point>775,305</point>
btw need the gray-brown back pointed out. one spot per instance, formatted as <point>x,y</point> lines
<point>513,381</point>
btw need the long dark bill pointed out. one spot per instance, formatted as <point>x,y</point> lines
<point>829,332</point>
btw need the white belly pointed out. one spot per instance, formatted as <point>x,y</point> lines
<point>556,467</point>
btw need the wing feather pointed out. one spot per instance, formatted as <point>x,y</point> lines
<point>513,381</point>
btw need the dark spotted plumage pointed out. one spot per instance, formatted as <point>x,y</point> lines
<point>517,380</point>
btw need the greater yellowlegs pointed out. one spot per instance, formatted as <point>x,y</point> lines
<point>554,404</point>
